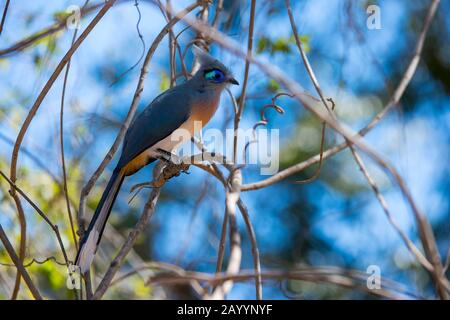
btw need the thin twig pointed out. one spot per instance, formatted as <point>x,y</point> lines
<point>222,243</point>
<point>190,229</point>
<point>216,19</point>
<point>161,174</point>
<point>32,113</point>
<point>270,70</point>
<point>141,38</point>
<point>159,266</point>
<point>35,261</point>
<point>5,11</point>
<point>426,234</point>
<point>22,241</point>
<point>447,262</point>
<point>172,62</point>
<point>35,159</point>
<point>131,239</point>
<point>262,122</point>
<point>410,70</point>
<point>316,86</point>
<point>167,14</point>
<point>241,102</point>
<point>40,212</point>
<point>408,243</point>
<point>255,250</point>
<point>30,40</point>
<point>304,57</point>
<point>234,261</point>
<point>19,265</point>
<point>61,140</point>
<point>393,101</point>
<point>223,233</point>
<point>351,279</point>
<point>244,211</point>
<point>316,173</point>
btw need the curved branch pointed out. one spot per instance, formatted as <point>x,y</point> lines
<point>425,231</point>
<point>351,279</point>
<point>237,118</point>
<point>393,101</point>
<point>115,265</point>
<point>5,11</point>
<point>19,265</point>
<point>30,40</point>
<point>234,261</point>
<point>32,113</point>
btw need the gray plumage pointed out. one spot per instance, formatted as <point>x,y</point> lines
<point>194,100</point>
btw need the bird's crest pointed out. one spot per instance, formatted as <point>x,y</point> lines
<point>207,61</point>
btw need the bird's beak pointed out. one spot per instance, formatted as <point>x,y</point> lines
<point>233,81</point>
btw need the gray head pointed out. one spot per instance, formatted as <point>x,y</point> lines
<point>212,73</point>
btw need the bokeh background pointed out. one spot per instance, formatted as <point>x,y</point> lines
<point>333,221</point>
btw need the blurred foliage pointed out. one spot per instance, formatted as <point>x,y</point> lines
<point>285,215</point>
<point>164,82</point>
<point>281,45</point>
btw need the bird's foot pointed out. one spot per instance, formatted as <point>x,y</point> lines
<point>174,165</point>
<point>167,156</point>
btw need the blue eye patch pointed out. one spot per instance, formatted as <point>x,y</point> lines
<point>215,75</point>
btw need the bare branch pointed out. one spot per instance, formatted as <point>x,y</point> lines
<point>35,261</point>
<point>255,250</point>
<point>408,243</point>
<point>19,265</point>
<point>115,265</point>
<point>241,102</point>
<point>234,262</point>
<point>393,101</point>
<point>108,4</point>
<point>351,279</point>
<point>410,70</point>
<point>244,211</point>
<point>5,11</point>
<point>30,40</point>
<point>61,141</point>
<point>41,213</point>
<point>32,113</point>
<point>425,230</point>
<point>161,174</point>
<point>159,266</point>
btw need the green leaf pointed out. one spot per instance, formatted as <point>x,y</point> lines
<point>273,86</point>
<point>304,39</point>
<point>281,45</point>
<point>164,83</point>
<point>262,44</point>
<point>61,15</point>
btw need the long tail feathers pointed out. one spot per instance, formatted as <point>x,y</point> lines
<point>93,235</point>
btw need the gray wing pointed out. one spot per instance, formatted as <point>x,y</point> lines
<point>157,121</point>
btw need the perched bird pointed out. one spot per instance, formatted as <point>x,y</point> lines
<point>195,100</point>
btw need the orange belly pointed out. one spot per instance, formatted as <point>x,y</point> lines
<point>136,164</point>
<point>205,111</point>
<point>200,116</point>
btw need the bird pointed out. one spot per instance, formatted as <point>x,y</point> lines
<point>150,134</point>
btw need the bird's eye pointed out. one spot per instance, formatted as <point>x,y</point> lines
<point>215,75</point>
